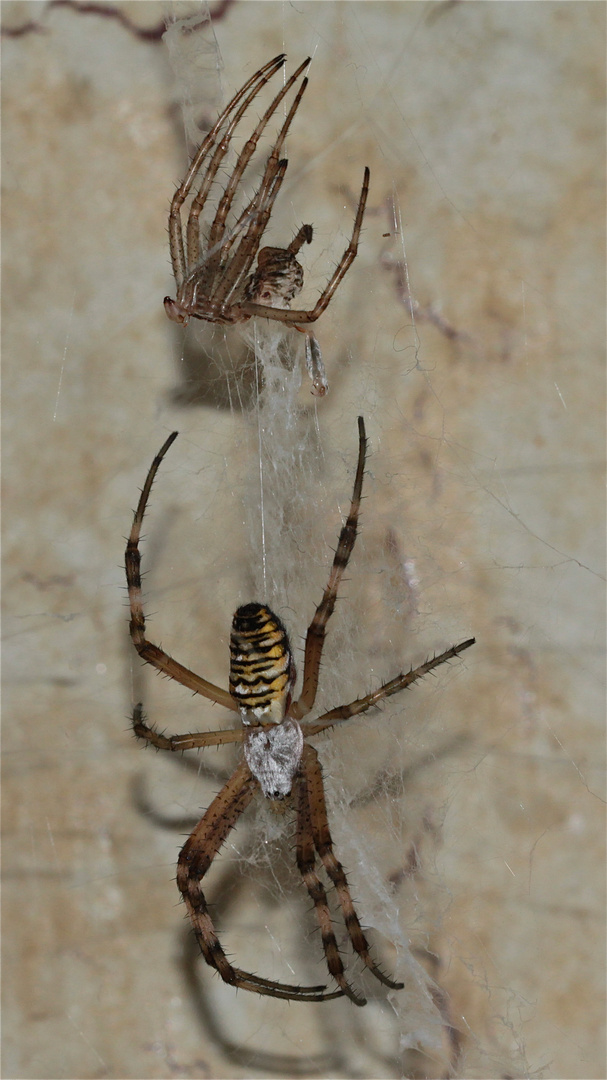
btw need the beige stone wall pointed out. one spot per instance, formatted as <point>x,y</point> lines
<point>469,812</point>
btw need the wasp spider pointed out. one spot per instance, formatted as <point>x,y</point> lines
<point>277,757</point>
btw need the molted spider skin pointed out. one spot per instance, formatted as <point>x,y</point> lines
<point>214,275</point>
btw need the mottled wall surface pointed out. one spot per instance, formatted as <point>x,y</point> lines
<point>470,334</point>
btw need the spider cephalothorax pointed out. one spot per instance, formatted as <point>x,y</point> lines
<point>277,757</point>
<point>215,278</point>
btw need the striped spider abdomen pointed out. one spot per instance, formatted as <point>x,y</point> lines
<point>262,669</point>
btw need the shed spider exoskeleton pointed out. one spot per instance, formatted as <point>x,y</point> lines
<point>277,756</point>
<point>214,280</point>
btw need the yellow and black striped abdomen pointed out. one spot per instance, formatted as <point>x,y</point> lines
<point>262,671</point>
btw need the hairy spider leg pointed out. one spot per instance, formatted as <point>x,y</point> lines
<point>194,860</point>
<point>147,651</point>
<point>241,261</point>
<point>175,228</point>
<point>304,236</point>
<point>218,227</point>
<point>199,200</point>
<point>315,637</point>
<point>312,773</point>
<point>245,154</point>
<point>193,285</point>
<point>394,686</point>
<point>259,209</point>
<point>306,860</point>
<point>195,740</point>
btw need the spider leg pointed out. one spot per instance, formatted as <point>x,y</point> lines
<point>193,741</point>
<point>304,236</point>
<point>195,858</point>
<point>241,261</point>
<point>315,637</point>
<point>234,233</point>
<point>394,686</point>
<point>175,229</point>
<point>291,316</point>
<point>149,652</point>
<point>322,840</point>
<point>260,208</point>
<point>218,226</point>
<point>197,280</point>
<point>306,859</point>
<point>193,234</point>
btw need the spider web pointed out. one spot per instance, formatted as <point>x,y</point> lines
<point>394,781</point>
<point>295,490</point>
<point>466,812</point>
